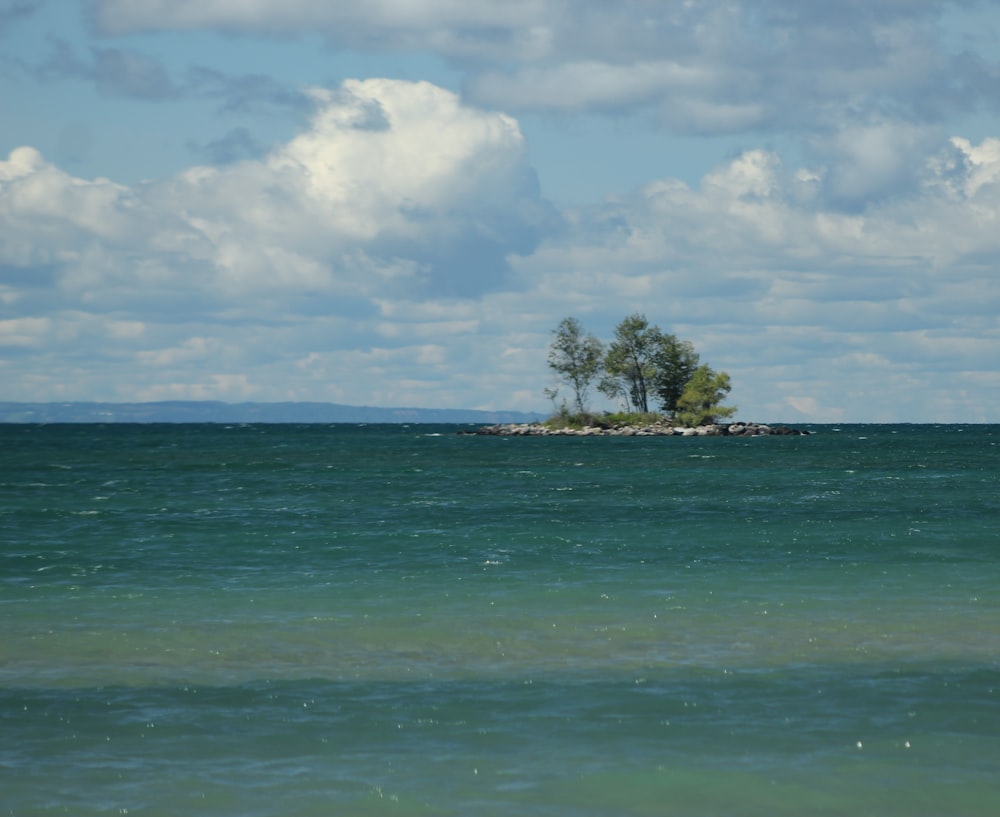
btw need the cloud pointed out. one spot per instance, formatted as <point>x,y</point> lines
<point>410,171</point>
<point>793,296</point>
<point>394,184</point>
<point>247,93</point>
<point>14,11</point>
<point>440,20</point>
<point>114,71</point>
<point>131,74</point>
<point>237,144</point>
<point>590,85</point>
<point>711,67</point>
<point>866,162</point>
<point>398,251</point>
<point>128,73</point>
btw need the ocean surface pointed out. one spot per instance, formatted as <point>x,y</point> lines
<point>299,620</point>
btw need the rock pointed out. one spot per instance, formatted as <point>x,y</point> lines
<point>660,429</point>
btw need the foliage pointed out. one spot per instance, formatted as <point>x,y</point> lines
<point>575,420</point>
<point>629,363</point>
<point>674,361</point>
<point>642,363</point>
<point>700,402</point>
<point>619,419</point>
<point>643,360</point>
<point>565,418</point>
<point>576,356</point>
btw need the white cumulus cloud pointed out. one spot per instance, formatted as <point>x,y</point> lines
<point>398,251</point>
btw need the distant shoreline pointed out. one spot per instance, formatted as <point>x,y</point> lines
<point>212,411</point>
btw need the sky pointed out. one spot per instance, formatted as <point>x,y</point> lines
<point>394,203</point>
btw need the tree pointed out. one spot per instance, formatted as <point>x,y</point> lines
<point>700,402</point>
<point>576,356</point>
<point>675,361</point>
<point>629,365</point>
<point>642,363</point>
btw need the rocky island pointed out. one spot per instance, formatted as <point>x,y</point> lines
<point>655,429</point>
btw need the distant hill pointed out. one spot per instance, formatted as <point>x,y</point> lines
<point>184,411</point>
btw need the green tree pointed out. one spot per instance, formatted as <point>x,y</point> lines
<point>699,404</point>
<point>576,356</point>
<point>674,361</point>
<point>629,364</point>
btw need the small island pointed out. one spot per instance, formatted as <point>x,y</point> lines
<point>643,364</point>
<point>655,428</point>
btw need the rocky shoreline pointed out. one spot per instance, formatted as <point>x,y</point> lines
<point>653,430</point>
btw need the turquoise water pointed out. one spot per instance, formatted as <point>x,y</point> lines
<point>383,620</point>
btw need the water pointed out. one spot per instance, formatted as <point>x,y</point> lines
<point>392,620</point>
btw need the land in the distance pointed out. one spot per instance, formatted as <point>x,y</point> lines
<point>204,411</point>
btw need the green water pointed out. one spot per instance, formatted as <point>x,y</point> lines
<point>403,620</point>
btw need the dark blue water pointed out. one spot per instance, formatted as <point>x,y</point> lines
<point>306,620</point>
